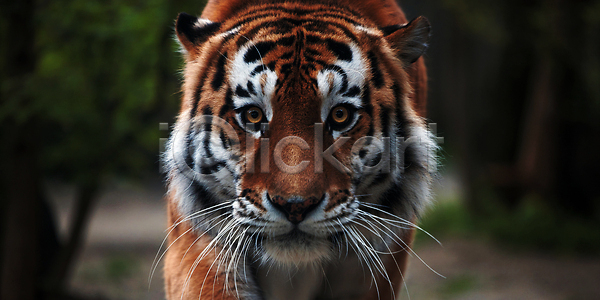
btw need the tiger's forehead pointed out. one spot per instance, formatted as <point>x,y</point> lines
<point>326,60</point>
<point>281,18</point>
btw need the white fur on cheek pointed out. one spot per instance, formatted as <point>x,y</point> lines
<point>241,73</point>
<point>355,71</point>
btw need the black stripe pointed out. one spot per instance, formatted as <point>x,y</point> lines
<point>275,11</point>
<point>309,51</point>
<point>240,91</point>
<point>304,11</point>
<point>224,139</point>
<point>219,73</point>
<point>227,38</point>
<point>313,39</point>
<point>207,111</point>
<point>400,132</point>
<point>352,92</point>
<point>196,97</point>
<point>258,69</point>
<point>315,61</point>
<point>371,131</point>
<point>207,170</point>
<point>208,128</point>
<point>384,114</point>
<point>224,109</point>
<point>258,51</point>
<point>376,75</point>
<point>250,88</point>
<point>267,24</point>
<point>228,103</point>
<point>189,161</point>
<point>341,50</point>
<point>300,41</point>
<point>285,69</point>
<point>286,41</point>
<point>281,27</point>
<point>366,101</point>
<point>342,27</point>
<point>228,98</point>
<point>287,55</point>
<point>362,153</point>
<point>342,73</point>
<point>244,38</point>
<point>201,193</point>
<point>308,67</point>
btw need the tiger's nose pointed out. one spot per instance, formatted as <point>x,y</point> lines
<point>295,208</point>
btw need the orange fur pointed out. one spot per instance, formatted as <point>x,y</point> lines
<point>177,267</point>
<point>381,12</point>
<point>186,247</point>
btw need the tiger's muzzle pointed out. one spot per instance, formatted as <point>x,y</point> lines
<point>295,208</point>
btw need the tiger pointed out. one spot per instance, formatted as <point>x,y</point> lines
<point>300,160</point>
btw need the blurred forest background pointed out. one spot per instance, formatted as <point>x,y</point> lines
<point>514,89</point>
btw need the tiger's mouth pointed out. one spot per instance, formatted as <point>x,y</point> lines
<point>297,247</point>
<point>305,243</point>
<point>295,236</point>
<point>283,239</point>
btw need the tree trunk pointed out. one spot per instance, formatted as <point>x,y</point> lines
<point>21,184</point>
<point>56,282</point>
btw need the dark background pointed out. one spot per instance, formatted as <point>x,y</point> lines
<point>514,89</point>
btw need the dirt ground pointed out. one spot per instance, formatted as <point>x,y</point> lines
<point>128,226</point>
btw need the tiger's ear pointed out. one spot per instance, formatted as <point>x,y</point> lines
<point>192,31</point>
<point>409,40</point>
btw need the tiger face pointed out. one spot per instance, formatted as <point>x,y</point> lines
<point>296,131</point>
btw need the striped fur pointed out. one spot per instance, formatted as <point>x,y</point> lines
<point>244,208</point>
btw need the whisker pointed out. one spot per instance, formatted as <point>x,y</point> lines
<point>355,239</point>
<point>413,252</point>
<point>405,222</point>
<point>213,243</point>
<point>365,195</point>
<point>395,238</point>
<point>163,254</point>
<point>180,220</point>
<point>394,258</point>
<point>202,212</point>
<point>200,236</point>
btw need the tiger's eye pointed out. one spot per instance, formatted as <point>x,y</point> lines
<point>339,114</point>
<point>254,115</point>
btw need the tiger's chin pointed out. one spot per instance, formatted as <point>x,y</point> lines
<point>297,248</point>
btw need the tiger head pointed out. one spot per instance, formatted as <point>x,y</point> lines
<point>296,130</point>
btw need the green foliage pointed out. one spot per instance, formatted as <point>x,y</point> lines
<point>536,225</point>
<point>457,285</point>
<point>447,218</point>
<point>104,77</point>
<point>98,77</point>
<point>112,268</point>
<point>531,225</point>
<point>120,267</point>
